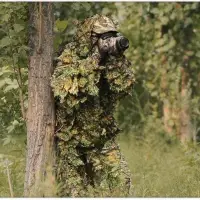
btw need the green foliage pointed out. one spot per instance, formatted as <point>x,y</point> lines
<point>13,58</point>
<point>164,40</point>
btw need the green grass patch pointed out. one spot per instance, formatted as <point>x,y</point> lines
<point>160,168</point>
<point>12,157</point>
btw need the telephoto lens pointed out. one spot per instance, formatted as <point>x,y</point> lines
<point>122,43</point>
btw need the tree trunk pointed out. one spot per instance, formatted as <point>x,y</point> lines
<point>167,107</point>
<point>167,111</point>
<point>41,109</point>
<point>185,119</point>
<point>178,116</point>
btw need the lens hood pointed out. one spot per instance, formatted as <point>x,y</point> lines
<point>122,43</point>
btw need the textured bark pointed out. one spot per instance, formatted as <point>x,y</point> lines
<point>41,110</point>
<point>180,116</point>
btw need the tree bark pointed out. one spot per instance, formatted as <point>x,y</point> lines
<point>180,116</point>
<point>41,109</point>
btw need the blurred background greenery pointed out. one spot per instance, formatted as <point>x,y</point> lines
<point>160,120</point>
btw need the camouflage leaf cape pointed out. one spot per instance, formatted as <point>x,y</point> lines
<point>89,161</point>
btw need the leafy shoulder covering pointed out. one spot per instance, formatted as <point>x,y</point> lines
<point>89,162</point>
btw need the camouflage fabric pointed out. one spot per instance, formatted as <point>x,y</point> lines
<point>89,162</point>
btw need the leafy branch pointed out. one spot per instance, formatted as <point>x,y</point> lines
<point>18,77</point>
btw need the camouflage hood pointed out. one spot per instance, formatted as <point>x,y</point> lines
<point>88,31</point>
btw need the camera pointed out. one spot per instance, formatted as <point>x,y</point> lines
<point>112,43</point>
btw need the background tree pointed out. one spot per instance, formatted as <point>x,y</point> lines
<point>165,58</point>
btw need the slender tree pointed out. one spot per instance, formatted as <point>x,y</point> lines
<point>41,111</point>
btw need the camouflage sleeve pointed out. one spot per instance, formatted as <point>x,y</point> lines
<point>75,79</point>
<point>120,75</point>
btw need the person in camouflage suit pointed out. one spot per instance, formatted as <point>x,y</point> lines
<point>91,75</point>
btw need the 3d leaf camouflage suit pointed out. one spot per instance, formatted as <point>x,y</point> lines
<point>92,74</point>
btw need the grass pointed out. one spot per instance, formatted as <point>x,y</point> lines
<point>160,168</point>
<point>14,154</point>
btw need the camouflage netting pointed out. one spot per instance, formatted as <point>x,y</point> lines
<point>89,162</point>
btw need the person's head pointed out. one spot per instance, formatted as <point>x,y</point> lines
<point>109,40</point>
<point>101,31</point>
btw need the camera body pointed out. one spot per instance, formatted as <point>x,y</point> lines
<point>112,44</point>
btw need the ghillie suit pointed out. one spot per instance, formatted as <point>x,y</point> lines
<point>88,81</point>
